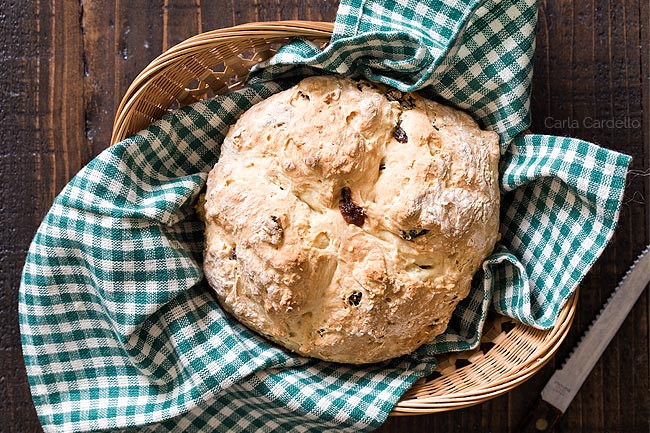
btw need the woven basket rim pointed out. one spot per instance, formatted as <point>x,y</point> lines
<point>534,364</point>
<point>186,47</point>
<point>411,403</point>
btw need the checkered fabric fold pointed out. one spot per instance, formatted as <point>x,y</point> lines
<point>119,328</point>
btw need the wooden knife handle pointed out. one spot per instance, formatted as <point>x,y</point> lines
<point>542,418</point>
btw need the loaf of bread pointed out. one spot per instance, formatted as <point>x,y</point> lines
<point>345,220</point>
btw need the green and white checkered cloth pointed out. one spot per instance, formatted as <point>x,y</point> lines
<point>120,330</point>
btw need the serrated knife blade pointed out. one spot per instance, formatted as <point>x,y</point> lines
<point>565,382</point>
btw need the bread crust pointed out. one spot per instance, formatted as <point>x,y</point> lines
<point>285,256</point>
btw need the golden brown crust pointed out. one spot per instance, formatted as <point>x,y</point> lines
<point>345,221</point>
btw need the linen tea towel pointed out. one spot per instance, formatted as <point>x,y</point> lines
<point>121,332</point>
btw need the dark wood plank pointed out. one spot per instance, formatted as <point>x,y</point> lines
<point>17,412</point>
<point>67,64</point>
<point>181,20</point>
<point>119,41</point>
<point>589,84</point>
<point>42,147</point>
<point>233,12</point>
<point>63,117</point>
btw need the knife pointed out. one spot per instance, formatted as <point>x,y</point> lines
<point>565,382</point>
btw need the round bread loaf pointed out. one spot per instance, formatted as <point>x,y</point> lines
<point>345,220</point>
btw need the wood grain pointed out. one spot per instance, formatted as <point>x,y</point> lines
<point>66,65</point>
<point>589,76</point>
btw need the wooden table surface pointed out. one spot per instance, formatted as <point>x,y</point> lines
<point>65,65</point>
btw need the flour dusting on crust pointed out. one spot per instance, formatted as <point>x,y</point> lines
<point>345,220</point>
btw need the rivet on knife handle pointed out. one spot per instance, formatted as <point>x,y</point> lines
<point>542,418</point>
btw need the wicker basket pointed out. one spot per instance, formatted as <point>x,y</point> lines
<point>217,62</point>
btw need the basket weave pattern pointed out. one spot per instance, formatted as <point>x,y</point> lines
<point>217,62</point>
